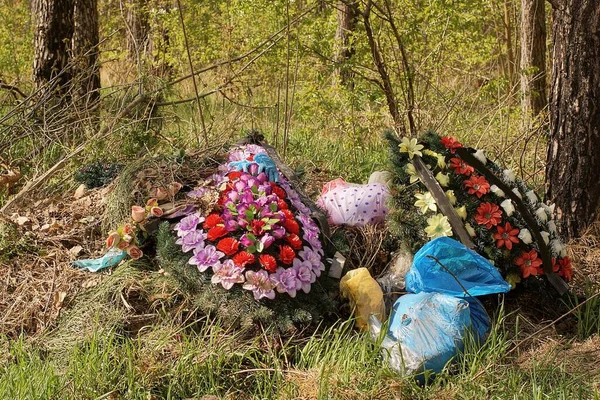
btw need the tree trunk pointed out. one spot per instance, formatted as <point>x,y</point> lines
<point>85,51</point>
<point>533,57</point>
<point>138,30</point>
<point>573,150</point>
<point>510,54</point>
<point>52,42</point>
<point>347,12</point>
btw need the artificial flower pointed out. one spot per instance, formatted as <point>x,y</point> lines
<point>123,245</point>
<point>113,239</point>
<point>451,197</point>
<point>212,220</point>
<point>566,269</point>
<point>227,274</point>
<point>556,246</point>
<point>282,204</point>
<point>517,193</point>
<point>268,262</point>
<point>443,179</point>
<point>278,190</point>
<point>488,214</point>
<point>477,185</point>
<point>206,257</point>
<point>480,156</point>
<point>156,212</point>
<point>508,175</point>
<point>305,274</point>
<point>410,170</point>
<point>438,226</point>
<point>529,263</point>
<point>260,284</point>
<point>188,224</point>
<point>138,214</point>
<point>216,232</point>
<point>173,188</point>
<point>540,213</point>
<point>552,227</point>
<point>461,212</point>
<point>451,143</point>
<point>411,147</point>
<point>243,258</point>
<point>291,226</point>
<point>425,202</point>
<point>286,254</point>
<point>470,230</point>
<point>525,236</point>
<point>134,252</point>
<point>159,193</point>
<point>497,191</point>
<point>286,281</point>
<point>228,245</point>
<point>545,236</point>
<point>461,167</point>
<point>531,196</point>
<point>508,207</point>
<point>191,240</point>
<point>549,209</point>
<point>506,236</point>
<point>294,241</point>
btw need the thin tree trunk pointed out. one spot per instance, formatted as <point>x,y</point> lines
<point>533,57</point>
<point>347,13</point>
<point>574,146</point>
<point>52,41</point>
<point>85,51</point>
<point>510,54</point>
<point>138,30</point>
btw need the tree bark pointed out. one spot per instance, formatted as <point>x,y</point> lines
<point>85,51</point>
<point>533,57</point>
<point>52,42</point>
<point>573,151</point>
<point>347,13</point>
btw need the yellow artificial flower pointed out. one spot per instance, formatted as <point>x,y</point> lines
<point>411,147</point>
<point>438,226</point>
<point>443,179</point>
<point>410,169</point>
<point>470,230</point>
<point>441,160</point>
<point>451,197</point>
<point>425,202</point>
<point>462,212</point>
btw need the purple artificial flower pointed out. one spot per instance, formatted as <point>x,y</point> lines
<point>231,225</point>
<point>237,155</point>
<point>217,179</point>
<point>304,274</point>
<point>253,149</point>
<point>188,224</point>
<point>197,193</point>
<point>207,257</point>
<point>240,186</point>
<point>286,281</point>
<point>312,238</point>
<point>227,274</point>
<point>192,240</point>
<point>260,283</point>
<point>308,223</point>
<point>244,241</point>
<point>233,195</point>
<point>313,258</point>
<point>262,178</point>
<point>253,169</point>
<point>277,231</point>
<point>267,240</point>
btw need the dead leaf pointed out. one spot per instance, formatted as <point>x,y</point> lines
<point>22,220</point>
<point>59,298</point>
<point>76,250</point>
<point>80,192</point>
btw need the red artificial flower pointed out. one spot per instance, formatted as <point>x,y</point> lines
<point>216,232</point>
<point>278,190</point>
<point>286,254</point>
<point>212,220</point>
<point>477,185</point>
<point>228,245</point>
<point>451,143</point>
<point>243,258</point>
<point>291,225</point>
<point>506,236</point>
<point>488,214</point>
<point>529,263</point>
<point>128,229</point>
<point>566,269</point>
<point>257,226</point>
<point>288,214</point>
<point>282,204</point>
<point>234,175</point>
<point>268,262</point>
<point>250,157</point>
<point>461,167</point>
<point>294,241</point>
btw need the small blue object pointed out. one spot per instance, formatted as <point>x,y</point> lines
<point>111,258</point>
<point>265,164</point>
<point>475,274</point>
<point>429,328</point>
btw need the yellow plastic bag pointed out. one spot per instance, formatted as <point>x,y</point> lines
<point>365,295</point>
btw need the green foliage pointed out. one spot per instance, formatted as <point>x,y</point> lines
<point>236,308</point>
<point>97,174</point>
<point>12,243</point>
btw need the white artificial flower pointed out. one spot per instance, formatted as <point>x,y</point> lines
<point>509,176</point>
<point>480,156</point>
<point>541,214</point>
<point>411,147</point>
<point>497,191</point>
<point>549,208</point>
<point>516,191</point>
<point>525,236</point>
<point>443,179</point>
<point>563,253</point>
<point>470,230</point>
<point>532,197</point>
<point>508,207</point>
<point>552,227</point>
<point>545,236</point>
<point>556,246</point>
<point>425,202</point>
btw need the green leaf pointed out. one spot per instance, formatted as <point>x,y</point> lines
<point>251,249</point>
<point>251,237</point>
<point>249,215</point>
<point>260,246</point>
<point>273,207</point>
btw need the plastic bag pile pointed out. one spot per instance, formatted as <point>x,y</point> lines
<point>427,327</point>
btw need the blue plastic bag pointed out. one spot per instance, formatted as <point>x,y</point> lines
<point>110,259</point>
<point>476,274</point>
<point>425,331</point>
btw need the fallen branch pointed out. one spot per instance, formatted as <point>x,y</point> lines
<point>105,131</point>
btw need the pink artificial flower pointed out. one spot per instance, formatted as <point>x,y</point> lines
<point>227,274</point>
<point>138,214</point>
<point>260,283</point>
